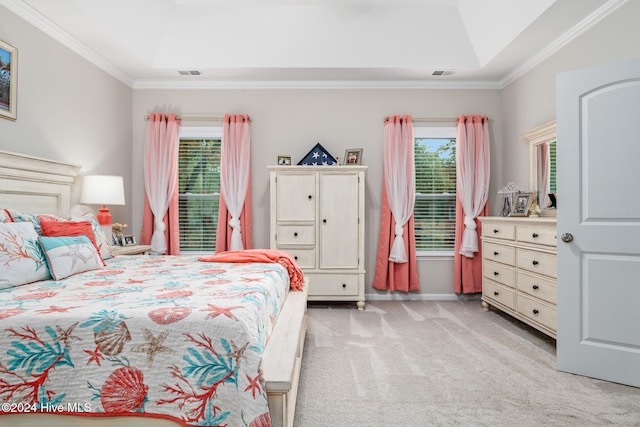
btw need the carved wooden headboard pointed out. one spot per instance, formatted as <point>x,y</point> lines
<point>35,185</point>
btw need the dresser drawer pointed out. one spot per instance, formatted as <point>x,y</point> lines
<point>295,234</point>
<point>333,285</point>
<point>537,311</point>
<point>499,253</point>
<point>499,293</point>
<point>499,231</point>
<point>306,258</point>
<point>538,262</point>
<point>537,234</point>
<point>537,286</point>
<point>499,273</point>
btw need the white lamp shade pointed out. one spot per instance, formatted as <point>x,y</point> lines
<point>102,190</point>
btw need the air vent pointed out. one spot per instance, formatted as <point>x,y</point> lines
<point>442,73</point>
<point>189,72</point>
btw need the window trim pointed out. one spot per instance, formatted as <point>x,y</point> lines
<point>435,132</point>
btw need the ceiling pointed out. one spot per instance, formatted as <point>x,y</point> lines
<point>314,43</point>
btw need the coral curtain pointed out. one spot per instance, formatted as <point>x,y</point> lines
<point>544,165</point>
<point>472,183</point>
<point>396,265</point>
<point>234,230</point>
<point>161,184</point>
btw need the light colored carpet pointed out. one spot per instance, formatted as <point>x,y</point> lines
<point>444,363</point>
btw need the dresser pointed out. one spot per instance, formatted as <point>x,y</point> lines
<point>317,216</point>
<point>519,267</point>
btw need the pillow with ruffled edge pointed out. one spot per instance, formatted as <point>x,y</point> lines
<point>69,229</point>
<point>21,259</point>
<point>67,256</point>
<point>102,241</point>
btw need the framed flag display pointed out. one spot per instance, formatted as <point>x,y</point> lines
<point>318,156</point>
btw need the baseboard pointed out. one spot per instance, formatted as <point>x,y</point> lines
<point>422,297</point>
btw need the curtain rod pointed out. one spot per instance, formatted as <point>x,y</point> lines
<point>197,118</point>
<point>432,119</point>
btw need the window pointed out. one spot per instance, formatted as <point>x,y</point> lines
<point>199,188</point>
<point>435,205</point>
<point>552,167</point>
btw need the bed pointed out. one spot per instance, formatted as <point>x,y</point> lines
<point>142,340</point>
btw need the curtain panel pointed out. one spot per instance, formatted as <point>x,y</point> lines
<point>234,230</point>
<point>396,263</point>
<point>472,183</point>
<point>160,221</point>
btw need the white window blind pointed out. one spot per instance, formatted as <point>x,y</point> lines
<point>435,206</point>
<point>199,192</point>
<point>552,168</point>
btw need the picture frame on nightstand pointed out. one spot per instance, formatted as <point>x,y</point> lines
<point>128,240</point>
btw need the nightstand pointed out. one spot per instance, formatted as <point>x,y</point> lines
<point>131,250</point>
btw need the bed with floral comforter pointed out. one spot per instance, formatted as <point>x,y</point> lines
<point>166,337</point>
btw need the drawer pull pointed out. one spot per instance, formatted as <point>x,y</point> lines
<point>295,257</point>
<point>535,311</point>
<point>495,273</point>
<point>496,293</point>
<point>310,197</point>
<point>295,234</point>
<point>535,287</point>
<point>496,253</point>
<point>324,221</point>
<point>496,231</point>
<point>344,285</point>
<point>534,235</point>
<point>535,262</point>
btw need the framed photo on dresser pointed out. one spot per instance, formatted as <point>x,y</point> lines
<point>521,204</point>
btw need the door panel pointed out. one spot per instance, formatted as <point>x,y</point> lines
<point>296,197</point>
<point>598,175</point>
<point>338,221</point>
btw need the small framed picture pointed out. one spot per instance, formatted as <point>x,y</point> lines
<point>522,204</point>
<point>128,240</point>
<point>353,156</point>
<point>8,80</point>
<point>116,239</point>
<point>284,160</point>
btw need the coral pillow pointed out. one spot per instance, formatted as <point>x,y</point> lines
<point>70,255</point>
<point>21,260</point>
<point>70,229</point>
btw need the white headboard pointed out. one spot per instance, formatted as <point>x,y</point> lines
<point>35,185</point>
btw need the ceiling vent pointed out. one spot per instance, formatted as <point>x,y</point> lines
<point>189,72</point>
<point>442,73</point>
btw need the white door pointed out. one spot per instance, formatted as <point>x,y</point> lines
<point>338,220</point>
<point>598,117</point>
<point>296,193</point>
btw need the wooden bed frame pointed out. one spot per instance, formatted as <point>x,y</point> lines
<point>38,185</point>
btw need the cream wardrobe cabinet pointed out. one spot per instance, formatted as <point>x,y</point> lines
<point>519,267</point>
<point>317,215</point>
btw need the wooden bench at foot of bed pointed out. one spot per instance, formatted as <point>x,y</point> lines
<point>283,358</point>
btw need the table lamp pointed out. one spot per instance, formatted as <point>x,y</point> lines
<point>103,190</point>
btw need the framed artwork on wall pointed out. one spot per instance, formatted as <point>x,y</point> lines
<point>8,80</point>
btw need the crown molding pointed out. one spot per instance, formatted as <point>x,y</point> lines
<point>33,17</point>
<point>575,32</point>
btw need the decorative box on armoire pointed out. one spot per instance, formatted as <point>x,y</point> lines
<point>317,216</point>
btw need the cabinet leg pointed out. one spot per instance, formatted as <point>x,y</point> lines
<point>485,306</point>
<point>360,305</point>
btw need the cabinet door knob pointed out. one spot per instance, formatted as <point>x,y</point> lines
<point>310,197</point>
<point>496,293</point>
<point>295,234</point>
<point>344,285</point>
<point>324,221</point>
<point>535,287</point>
<point>535,311</point>
<point>535,262</point>
<point>534,235</point>
<point>495,273</point>
<point>295,257</point>
<point>495,230</point>
<point>495,253</point>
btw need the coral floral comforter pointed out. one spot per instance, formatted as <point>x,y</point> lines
<point>168,337</point>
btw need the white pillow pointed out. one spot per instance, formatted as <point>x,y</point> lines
<point>70,255</point>
<point>21,259</point>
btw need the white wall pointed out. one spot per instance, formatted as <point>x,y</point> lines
<point>531,99</point>
<point>292,121</point>
<point>68,109</point>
